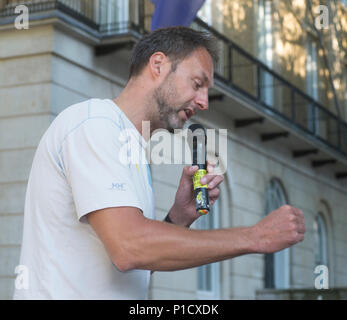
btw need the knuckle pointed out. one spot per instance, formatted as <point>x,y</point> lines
<point>293,227</point>
<point>214,194</point>
<point>210,180</point>
<point>292,218</point>
<point>295,237</point>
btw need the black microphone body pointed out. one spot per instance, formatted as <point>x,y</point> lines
<point>199,140</point>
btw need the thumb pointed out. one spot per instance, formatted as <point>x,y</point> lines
<point>188,173</point>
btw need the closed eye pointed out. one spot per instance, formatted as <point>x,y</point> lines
<point>197,85</point>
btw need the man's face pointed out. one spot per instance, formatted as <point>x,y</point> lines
<point>184,91</point>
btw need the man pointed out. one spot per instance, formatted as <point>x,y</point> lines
<point>89,228</point>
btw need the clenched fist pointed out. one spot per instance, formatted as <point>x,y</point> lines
<point>280,229</point>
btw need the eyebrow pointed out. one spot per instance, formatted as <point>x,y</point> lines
<point>206,79</point>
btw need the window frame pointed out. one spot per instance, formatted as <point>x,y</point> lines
<point>213,268</point>
<point>321,239</point>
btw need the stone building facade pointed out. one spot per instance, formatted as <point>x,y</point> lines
<point>63,58</point>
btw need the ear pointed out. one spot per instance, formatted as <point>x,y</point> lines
<point>157,63</point>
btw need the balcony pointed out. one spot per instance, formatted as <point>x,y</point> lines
<point>98,18</point>
<point>245,89</point>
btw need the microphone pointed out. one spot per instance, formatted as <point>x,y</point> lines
<point>197,139</point>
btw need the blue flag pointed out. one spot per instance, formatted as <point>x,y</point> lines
<point>170,13</point>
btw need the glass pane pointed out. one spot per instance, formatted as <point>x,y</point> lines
<point>302,110</point>
<point>277,264</point>
<point>320,241</point>
<point>344,138</point>
<point>201,279</point>
<point>266,88</point>
<point>244,73</point>
<point>311,70</point>
<point>317,253</point>
<point>222,67</point>
<point>208,278</point>
<point>327,127</point>
<point>208,275</point>
<point>114,15</point>
<point>282,96</point>
<point>204,272</point>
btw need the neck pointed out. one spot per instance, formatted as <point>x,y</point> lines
<point>136,101</point>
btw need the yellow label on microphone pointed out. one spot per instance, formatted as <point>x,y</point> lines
<point>197,177</point>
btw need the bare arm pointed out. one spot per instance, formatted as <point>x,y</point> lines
<point>135,242</point>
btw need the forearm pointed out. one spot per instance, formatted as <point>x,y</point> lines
<point>169,220</point>
<point>165,247</point>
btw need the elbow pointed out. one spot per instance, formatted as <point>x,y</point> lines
<point>126,260</point>
<point>123,267</point>
<point>124,264</point>
<point>129,254</point>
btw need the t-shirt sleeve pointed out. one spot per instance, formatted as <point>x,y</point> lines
<point>94,170</point>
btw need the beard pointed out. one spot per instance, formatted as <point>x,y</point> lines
<point>167,116</point>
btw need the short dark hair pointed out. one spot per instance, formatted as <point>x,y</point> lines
<point>175,42</point>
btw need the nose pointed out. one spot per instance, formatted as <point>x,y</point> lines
<point>202,99</point>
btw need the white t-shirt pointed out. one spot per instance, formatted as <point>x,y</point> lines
<point>77,170</point>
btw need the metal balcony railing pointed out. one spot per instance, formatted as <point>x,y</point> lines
<point>246,74</point>
<point>103,16</point>
<point>237,69</point>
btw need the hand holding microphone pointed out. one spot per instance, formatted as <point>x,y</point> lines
<point>198,140</point>
<point>184,212</point>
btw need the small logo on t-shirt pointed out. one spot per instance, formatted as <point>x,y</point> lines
<point>118,186</point>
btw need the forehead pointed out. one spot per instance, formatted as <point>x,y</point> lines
<point>200,63</point>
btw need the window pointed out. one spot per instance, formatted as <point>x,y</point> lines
<point>311,69</point>
<point>209,275</point>
<point>320,237</point>
<point>207,13</point>
<point>114,14</point>
<point>312,83</point>
<point>265,49</point>
<point>277,272</point>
